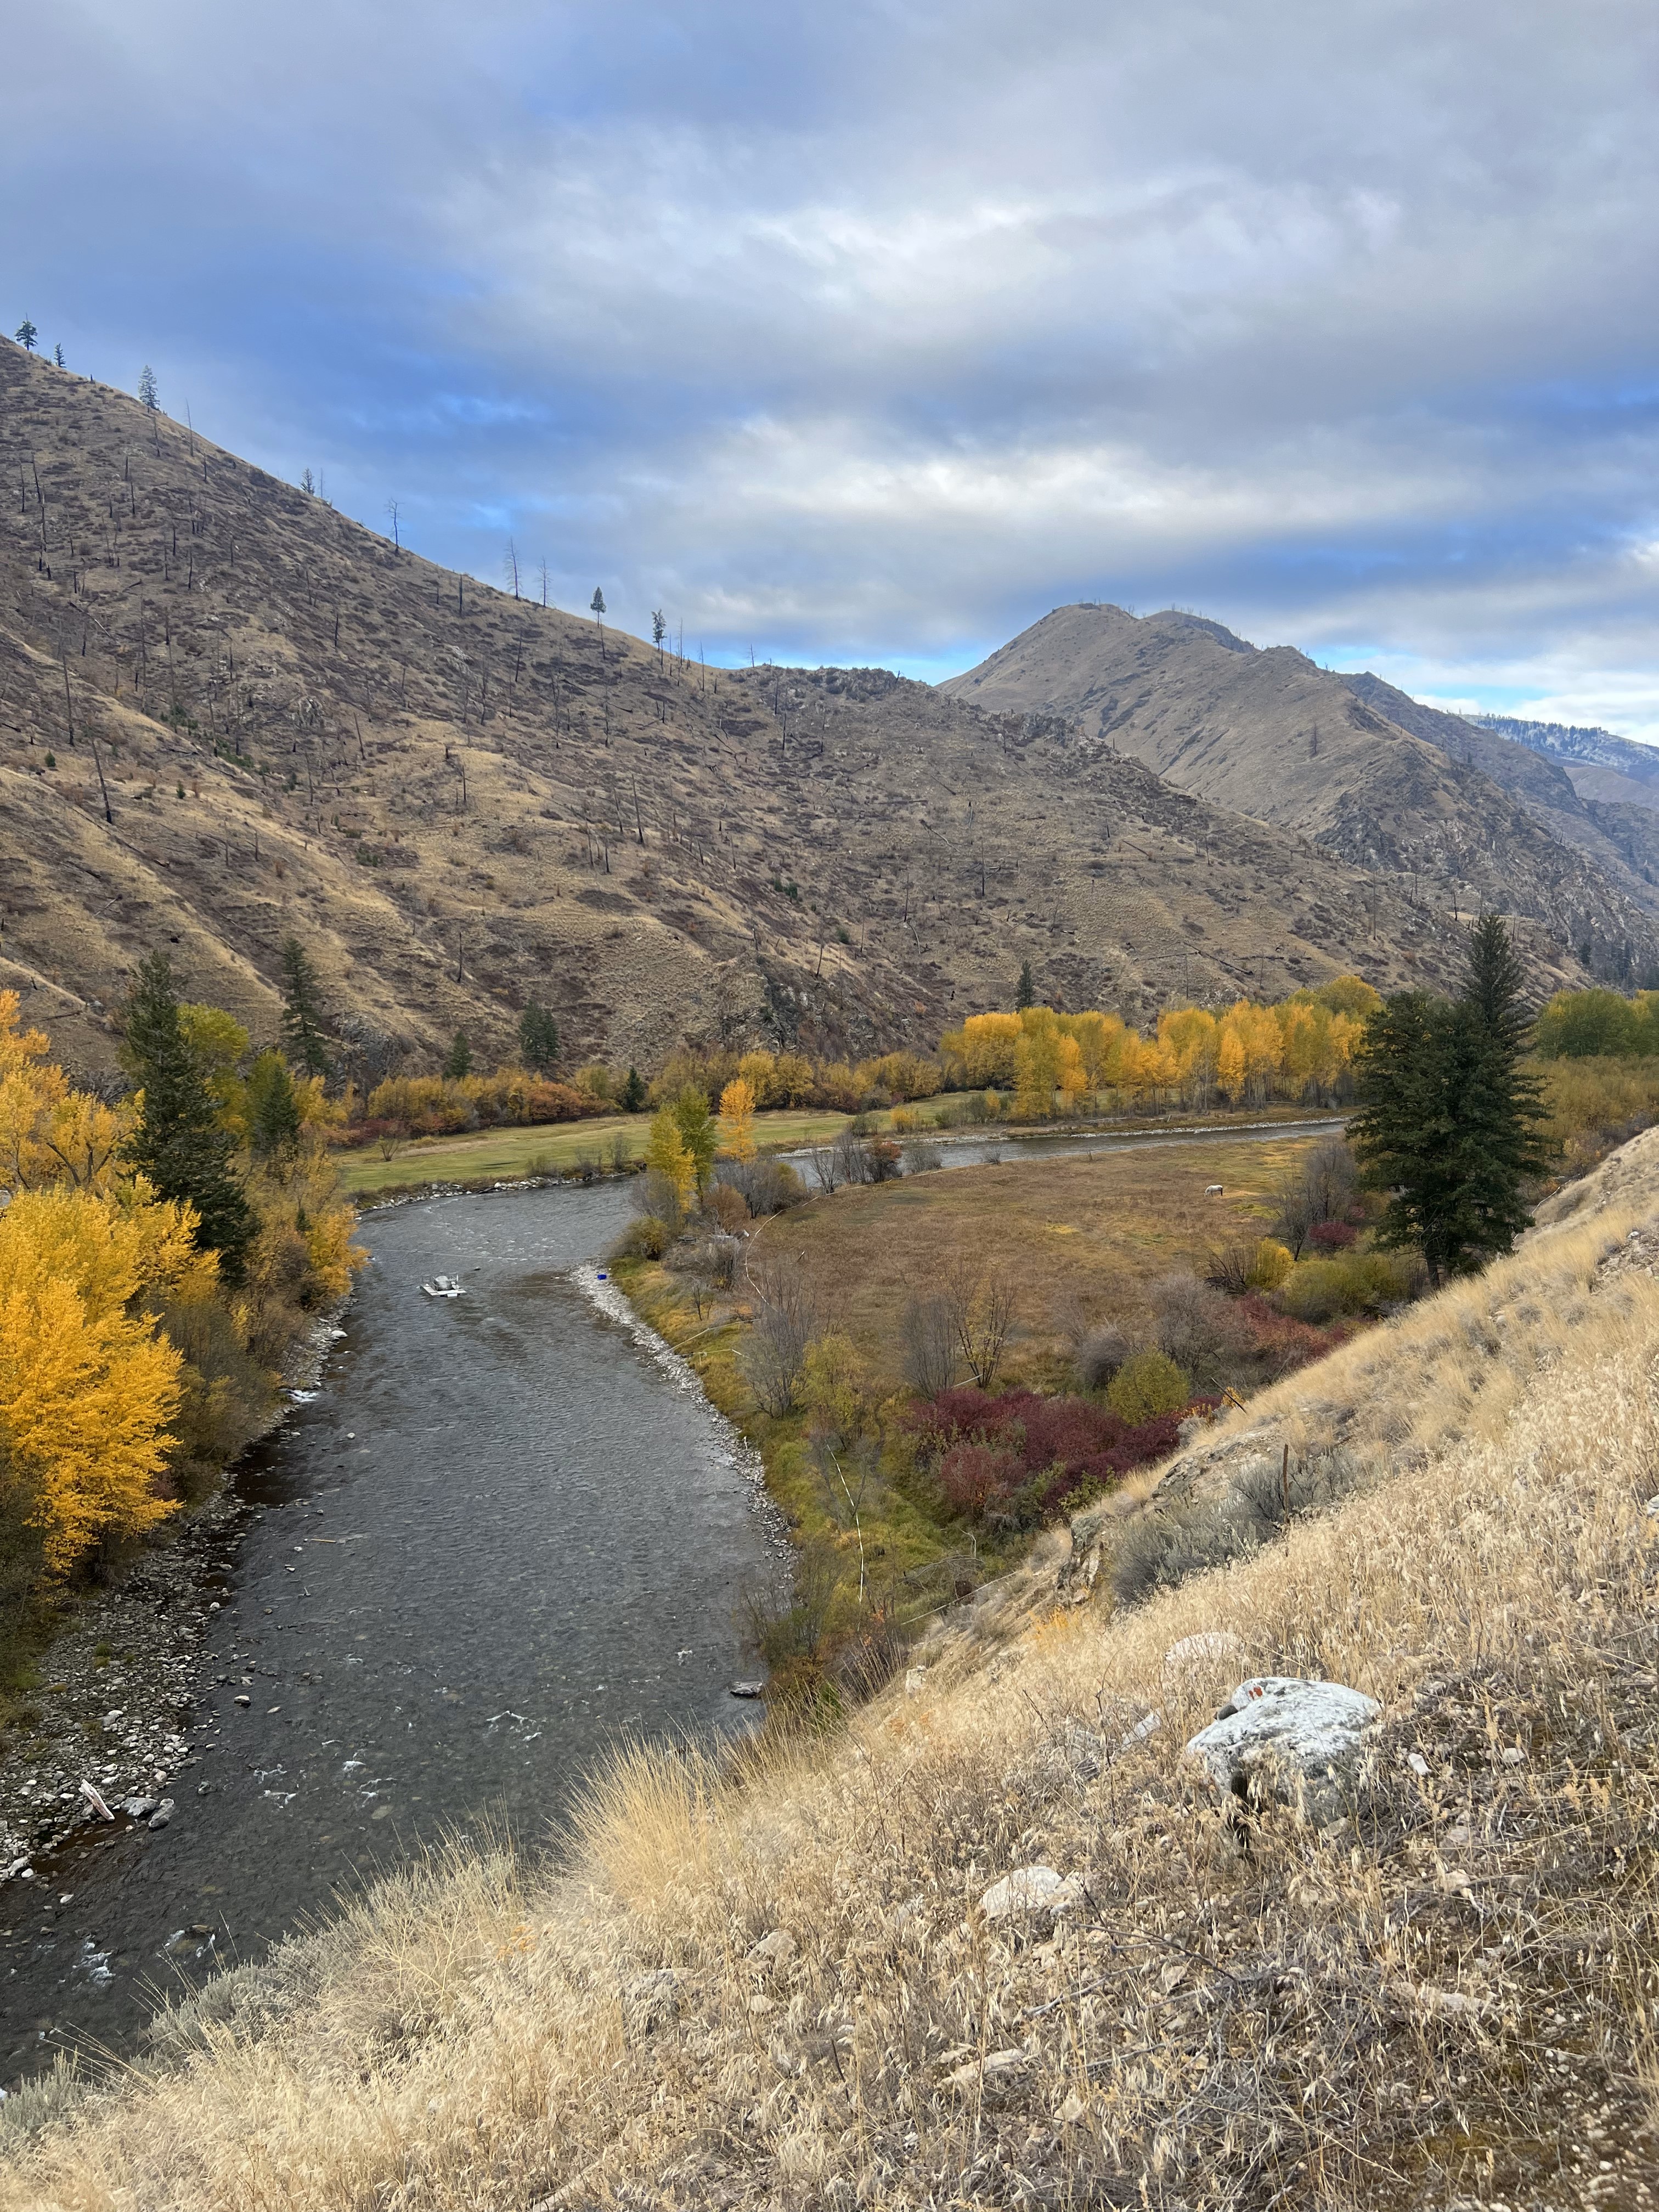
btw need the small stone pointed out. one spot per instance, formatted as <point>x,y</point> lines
<point>776,1948</point>
<point>998,2067</point>
<point>1026,1890</point>
<point>1211,1647</point>
<point>749,1689</point>
<point>916,1682</point>
<point>1512,1755</point>
<point>244,1701</point>
<point>139,1808</point>
<point>162,1813</point>
<point>1071,2111</point>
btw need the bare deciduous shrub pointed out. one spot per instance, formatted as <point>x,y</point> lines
<point>787,1315</point>
<point>852,1162</point>
<point>921,1157</point>
<point>826,1167</point>
<point>928,1338</point>
<point>983,1304</point>
<point>765,1186</point>
<point>728,1206</point>
<point>1099,1354</point>
<point>655,1196</point>
<point>1199,1328</point>
<point>1323,1188</point>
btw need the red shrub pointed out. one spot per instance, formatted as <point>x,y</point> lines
<point>985,1449</point>
<point>1332,1236</point>
<point>1284,1344</point>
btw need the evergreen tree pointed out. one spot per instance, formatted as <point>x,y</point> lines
<point>273,1110</point>
<point>632,1098</point>
<point>698,1132</point>
<point>27,334</point>
<point>147,395</point>
<point>58,360</point>
<point>301,1009</point>
<point>539,1038</point>
<point>458,1061</point>
<point>1447,1120</point>
<point>180,1142</point>
<point>1026,993</point>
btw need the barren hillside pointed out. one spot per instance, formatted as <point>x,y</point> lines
<point>227,713</point>
<point>1460,818</point>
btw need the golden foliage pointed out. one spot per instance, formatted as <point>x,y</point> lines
<point>738,1119</point>
<point>1302,1044</point>
<point>87,1389</point>
<point>49,1134</point>
<point>665,1153</point>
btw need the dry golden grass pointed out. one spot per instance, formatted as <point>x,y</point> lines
<point>1450,2000</point>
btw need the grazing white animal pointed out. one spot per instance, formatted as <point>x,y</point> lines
<point>1213,1190</point>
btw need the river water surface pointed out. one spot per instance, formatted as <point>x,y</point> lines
<point>500,1535</point>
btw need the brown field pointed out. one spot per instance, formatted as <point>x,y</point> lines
<point>1100,1229</point>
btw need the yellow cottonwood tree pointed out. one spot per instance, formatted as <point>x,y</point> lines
<point>738,1119</point>
<point>665,1153</point>
<point>1229,1066</point>
<point>87,1389</point>
<point>49,1134</point>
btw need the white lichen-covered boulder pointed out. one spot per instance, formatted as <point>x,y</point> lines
<point>1279,1739</point>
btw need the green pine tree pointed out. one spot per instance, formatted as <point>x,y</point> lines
<point>1026,993</point>
<point>302,1015</point>
<point>632,1099</point>
<point>26,335</point>
<point>1448,1118</point>
<point>180,1142</point>
<point>698,1132</point>
<point>147,395</point>
<point>273,1111</point>
<point>458,1061</point>
<point>539,1038</point>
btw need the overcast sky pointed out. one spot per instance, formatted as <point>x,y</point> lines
<point>872,331</point>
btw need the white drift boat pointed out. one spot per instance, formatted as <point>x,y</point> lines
<point>442,1286</point>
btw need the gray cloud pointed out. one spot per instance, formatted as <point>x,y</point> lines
<point>874,332</point>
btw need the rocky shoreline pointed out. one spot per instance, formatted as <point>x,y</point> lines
<point>119,1682</point>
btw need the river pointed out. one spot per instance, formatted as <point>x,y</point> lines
<point>501,1535</point>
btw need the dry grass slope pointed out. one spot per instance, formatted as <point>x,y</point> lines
<point>774,1986</point>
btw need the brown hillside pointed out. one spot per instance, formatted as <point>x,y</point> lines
<point>459,801</point>
<point>1465,822</point>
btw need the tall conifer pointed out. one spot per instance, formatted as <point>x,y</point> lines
<point>181,1144</point>
<point>302,1013</point>
<point>1447,1117</point>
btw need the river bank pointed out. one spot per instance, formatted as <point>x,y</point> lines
<point>118,1680</point>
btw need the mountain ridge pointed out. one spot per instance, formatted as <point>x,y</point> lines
<point>460,801</point>
<point>1471,820</point>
